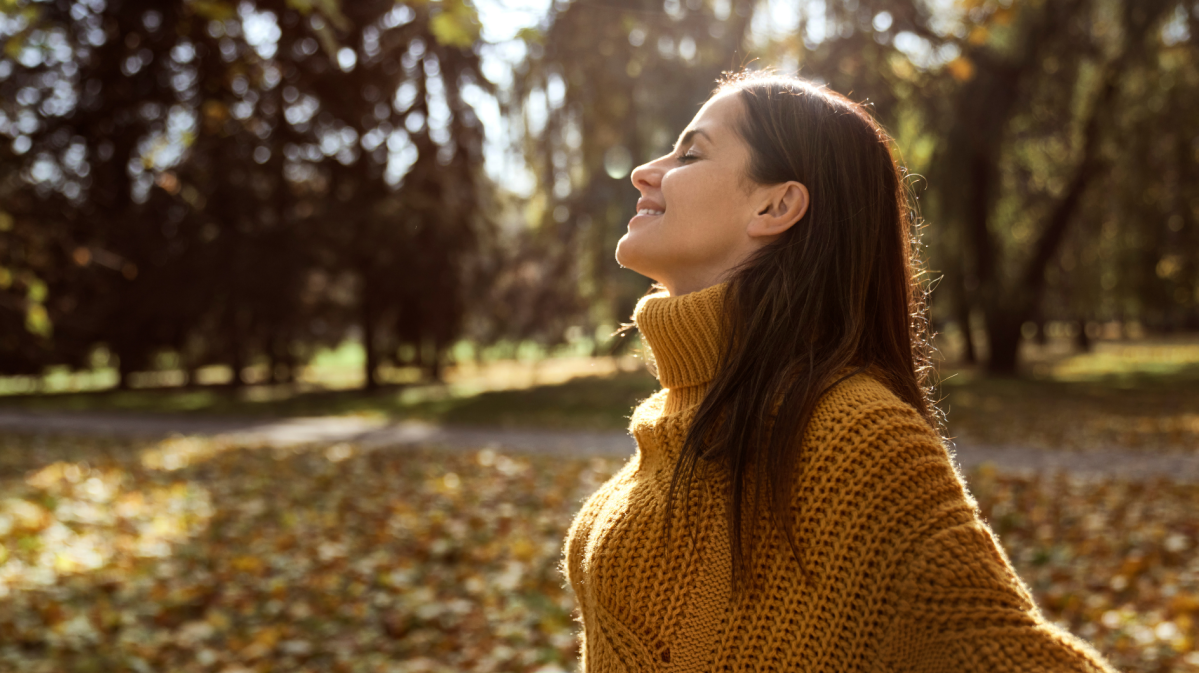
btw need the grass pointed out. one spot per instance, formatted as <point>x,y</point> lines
<point>581,393</point>
<point>1139,395</point>
<point>1132,395</point>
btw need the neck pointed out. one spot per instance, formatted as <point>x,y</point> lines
<point>683,332</point>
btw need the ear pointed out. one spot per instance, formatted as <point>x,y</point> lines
<point>781,207</point>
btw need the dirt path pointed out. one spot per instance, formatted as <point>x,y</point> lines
<point>378,433</point>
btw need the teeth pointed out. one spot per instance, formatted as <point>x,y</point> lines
<point>649,211</point>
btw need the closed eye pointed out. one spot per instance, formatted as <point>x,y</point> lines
<point>688,157</point>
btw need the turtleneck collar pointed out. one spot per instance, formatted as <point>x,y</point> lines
<point>683,333</point>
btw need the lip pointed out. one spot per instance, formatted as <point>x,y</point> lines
<point>637,218</point>
<point>644,203</point>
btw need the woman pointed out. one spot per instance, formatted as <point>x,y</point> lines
<point>824,526</point>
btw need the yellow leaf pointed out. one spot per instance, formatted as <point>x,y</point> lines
<point>902,67</point>
<point>249,564</point>
<point>961,68</point>
<point>267,636</point>
<point>523,549</point>
<point>219,620</point>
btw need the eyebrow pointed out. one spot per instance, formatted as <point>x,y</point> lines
<point>688,136</point>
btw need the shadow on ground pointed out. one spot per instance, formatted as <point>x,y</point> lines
<point>587,402</point>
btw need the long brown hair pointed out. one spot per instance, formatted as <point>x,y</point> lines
<point>838,290</point>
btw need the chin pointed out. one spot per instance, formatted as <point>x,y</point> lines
<point>632,256</point>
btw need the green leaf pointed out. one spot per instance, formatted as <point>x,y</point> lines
<point>213,9</point>
<point>37,320</point>
<point>531,35</point>
<point>37,291</point>
<point>457,25</point>
<point>330,9</point>
<point>16,43</point>
<point>328,41</point>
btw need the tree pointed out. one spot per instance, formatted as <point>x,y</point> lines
<point>230,181</point>
<point>604,88</point>
<point>1029,119</point>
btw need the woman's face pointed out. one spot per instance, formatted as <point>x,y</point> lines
<point>696,204</point>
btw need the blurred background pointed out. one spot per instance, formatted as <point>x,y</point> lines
<point>396,222</point>
<point>199,193</point>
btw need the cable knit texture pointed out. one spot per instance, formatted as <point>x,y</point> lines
<point>902,573</point>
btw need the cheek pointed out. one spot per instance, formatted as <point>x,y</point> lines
<point>676,192</point>
<point>701,212</point>
<point>699,192</point>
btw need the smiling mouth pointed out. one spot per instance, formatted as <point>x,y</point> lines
<point>650,211</point>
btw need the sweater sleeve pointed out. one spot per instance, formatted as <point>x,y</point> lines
<point>960,605</point>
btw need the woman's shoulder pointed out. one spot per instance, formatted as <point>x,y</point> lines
<point>862,413</point>
<point>863,434</point>
<point>648,411</point>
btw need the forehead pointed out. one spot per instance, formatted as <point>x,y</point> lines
<point>717,116</point>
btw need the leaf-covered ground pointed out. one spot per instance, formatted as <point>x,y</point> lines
<point>193,555</point>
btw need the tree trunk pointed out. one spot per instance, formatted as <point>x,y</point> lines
<point>371,374</point>
<point>436,364</point>
<point>280,362</point>
<point>969,355</point>
<point>1082,340</point>
<point>238,365</point>
<point>124,369</point>
<point>1042,339</point>
<point>1003,337</point>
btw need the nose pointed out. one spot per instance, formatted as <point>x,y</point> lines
<point>647,176</point>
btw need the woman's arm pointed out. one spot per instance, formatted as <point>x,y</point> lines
<point>961,606</point>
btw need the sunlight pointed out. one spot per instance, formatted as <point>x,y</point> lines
<point>72,518</point>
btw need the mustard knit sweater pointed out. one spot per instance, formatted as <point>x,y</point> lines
<point>903,575</point>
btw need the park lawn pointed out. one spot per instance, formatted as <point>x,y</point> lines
<point>199,555</point>
<point>1135,412</point>
<point>585,402</point>
<point>1141,396</point>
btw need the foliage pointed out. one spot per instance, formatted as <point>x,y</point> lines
<point>1052,138</point>
<point>221,182</point>
<point>605,87</point>
<point>198,555</point>
<point>230,181</point>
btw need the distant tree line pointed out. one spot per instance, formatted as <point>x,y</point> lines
<point>243,181</point>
